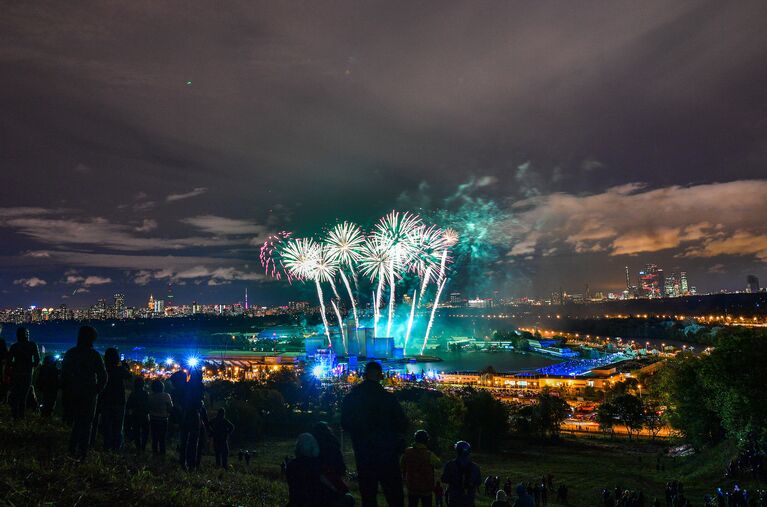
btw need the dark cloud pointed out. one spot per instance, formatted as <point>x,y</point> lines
<point>177,132</point>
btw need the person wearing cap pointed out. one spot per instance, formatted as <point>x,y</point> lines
<point>462,477</point>
<point>418,464</point>
<point>376,423</point>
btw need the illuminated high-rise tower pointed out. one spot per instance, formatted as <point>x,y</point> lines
<point>150,304</point>
<point>628,280</point>
<point>169,297</point>
<point>246,298</point>
<point>650,281</point>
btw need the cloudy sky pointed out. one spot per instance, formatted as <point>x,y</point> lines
<point>151,142</point>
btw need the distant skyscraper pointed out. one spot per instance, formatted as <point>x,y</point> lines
<point>628,280</point>
<point>169,297</point>
<point>683,287</point>
<point>752,284</point>
<point>650,281</point>
<point>119,306</point>
<point>150,304</point>
<point>159,306</point>
<point>246,298</point>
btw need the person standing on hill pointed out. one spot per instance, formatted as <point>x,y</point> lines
<point>47,385</point>
<point>112,400</point>
<point>23,358</point>
<point>523,498</point>
<point>501,500</point>
<point>462,477</point>
<point>3,359</point>
<point>83,377</point>
<point>194,421</point>
<point>332,465</point>
<point>137,413</point>
<point>377,424</point>
<point>220,429</point>
<point>418,464</point>
<point>160,407</point>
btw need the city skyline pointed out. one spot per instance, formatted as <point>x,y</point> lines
<point>138,156</point>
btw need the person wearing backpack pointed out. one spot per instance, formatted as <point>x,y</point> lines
<point>418,464</point>
<point>462,477</point>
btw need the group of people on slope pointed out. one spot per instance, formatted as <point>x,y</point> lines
<point>93,397</point>
<point>377,424</point>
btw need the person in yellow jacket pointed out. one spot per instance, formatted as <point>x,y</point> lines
<point>418,464</point>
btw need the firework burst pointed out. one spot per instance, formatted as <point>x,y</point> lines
<point>270,257</point>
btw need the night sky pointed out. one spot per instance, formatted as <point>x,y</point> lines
<point>151,142</point>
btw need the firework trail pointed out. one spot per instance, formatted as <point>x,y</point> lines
<point>301,258</point>
<point>344,242</point>
<point>449,238</point>
<point>410,320</point>
<point>270,256</point>
<point>373,264</point>
<point>340,326</point>
<point>398,244</point>
<point>323,312</point>
<point>427,256</point>
<point>433,311</point>
<point>398,233</point>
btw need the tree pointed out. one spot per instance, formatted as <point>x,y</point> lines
<point>630,412</point>
<point>685,395</point>
<point>653,417</point>
<point>486,420</point>
<point>733,375</point>
<point>606,416</point>
<point>549,414</point>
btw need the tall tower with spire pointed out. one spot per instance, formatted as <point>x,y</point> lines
<point>246,298</point>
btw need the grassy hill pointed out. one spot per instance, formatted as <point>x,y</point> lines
<point>34,470</point>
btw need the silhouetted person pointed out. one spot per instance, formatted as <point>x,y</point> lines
<point>220,429</point>
<point>194,420</point>
<point>375,420</point>
<point>462,477</point>
<point>48,383</point>
<point>137,413</point>
<point>160,407</point>
<point>501,499</point>
<point>23,358</point>
<point>562,494</point>
<point>303,474</point>
<point>523,498</point>
<point>332,465</point>
<point>439,494</point>
<point>418,464</point>
<point>112,400</point>
<point>3,370</point>
<point>83,377</point>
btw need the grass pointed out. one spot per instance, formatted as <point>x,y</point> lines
<point>34,470</point>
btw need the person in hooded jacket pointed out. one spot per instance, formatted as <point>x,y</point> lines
<point>462,477</point>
